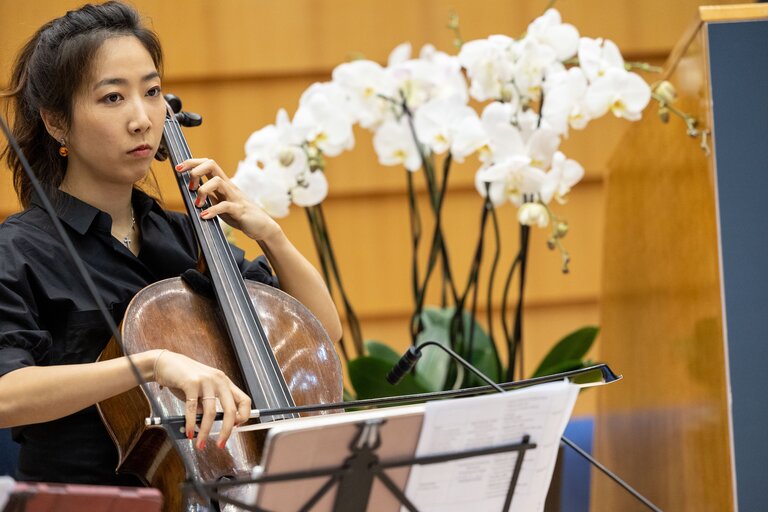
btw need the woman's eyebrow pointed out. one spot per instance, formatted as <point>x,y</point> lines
<point>123,81</point>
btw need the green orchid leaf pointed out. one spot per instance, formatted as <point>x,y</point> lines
<point>564,366</point>
<point>434,367</point>
<point>482,356</point>
<point>572,347</point>
<point>381,351</point>
<point>368,377</point>
<point>347,395</point>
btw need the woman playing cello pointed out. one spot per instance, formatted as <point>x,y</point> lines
<point>88,114</point>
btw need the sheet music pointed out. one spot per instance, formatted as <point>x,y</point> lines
<point>480,484</point>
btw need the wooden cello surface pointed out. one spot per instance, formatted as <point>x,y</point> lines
<point>168,314</point>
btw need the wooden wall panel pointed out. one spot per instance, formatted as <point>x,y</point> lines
<point>234,37</point>
<point>662,317</point>
<point>238,61</point>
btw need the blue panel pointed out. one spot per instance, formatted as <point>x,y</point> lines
<point>739,63</point>
<point>9,452</point>
<point>574,494</point>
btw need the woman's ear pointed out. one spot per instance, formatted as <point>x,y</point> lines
<point>54,124</point>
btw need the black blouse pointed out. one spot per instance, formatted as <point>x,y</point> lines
<point>47,315</point>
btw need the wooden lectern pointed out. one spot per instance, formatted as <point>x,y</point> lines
<point>685,309</point>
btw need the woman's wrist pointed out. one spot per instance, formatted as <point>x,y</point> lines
<point>273,235</point>
<point>147,363</point>
<point>274,240</point>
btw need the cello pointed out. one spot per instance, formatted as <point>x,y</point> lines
<point>263,339</point>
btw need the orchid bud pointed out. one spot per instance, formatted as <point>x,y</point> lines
<point>666,91</point>
<point>664,114</point>
<point>561,229</point>
<point>286,157</point>
<point>507,93</point>
<point>531,214</point>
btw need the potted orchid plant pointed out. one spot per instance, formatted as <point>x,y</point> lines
<point>528,93</point>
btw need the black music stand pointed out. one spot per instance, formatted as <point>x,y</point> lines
<point>343,464</point>
<point>354,479</point>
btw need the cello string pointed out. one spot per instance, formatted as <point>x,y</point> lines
<point>213,234</point>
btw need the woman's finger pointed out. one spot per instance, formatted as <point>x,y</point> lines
<point>190,414</point>
<point>208,401</point>
<point>216,188</point>
<point>243,403</point>
<point>197,168</point>
<point>225,208</point>
<point>230,409</point>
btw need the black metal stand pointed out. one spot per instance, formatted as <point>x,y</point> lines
<point>354,479</point>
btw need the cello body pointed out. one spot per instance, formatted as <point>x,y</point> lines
<point>169,315</point>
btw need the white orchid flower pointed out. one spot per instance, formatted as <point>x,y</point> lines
<point>541,147</point>
<point>261,143</point>
<point>399,54</point>
<point>491,189</point>
<point>525,138</point>
<point>518,180</point>
<point>446,75</point>
<point>311,189</point>
<point>368,84</point>
<point>622,92</point>
<point>533,214</point>
<point>548,29</point>
<point>468,136</point>
<point>267,143</point>
<point>564,100</point>
<point>447,123</point>
<point>564,174</point>
<point>517,159</point>
<point>324,113</point>
<point>394,145</point>
<point>534,62</point>
<point>504,139</point>
<point>433,75</point>
<point>268,189</point>
<point>274,160</point>
<point>489,67</point>
<point>596,56</point>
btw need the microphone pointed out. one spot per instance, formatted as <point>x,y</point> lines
<point>404,365</point>
<point>413,354</point>
<point>411,357</point>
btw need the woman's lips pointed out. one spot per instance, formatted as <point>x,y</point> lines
<point>141,151</point>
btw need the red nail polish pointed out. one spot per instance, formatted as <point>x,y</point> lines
<point>198,201</point>
<point>191,435</point>
<point>202,445</point>
<point>205,214</point>
<point>221,444</point>
<point>179,167</point>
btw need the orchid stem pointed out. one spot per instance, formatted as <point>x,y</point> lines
<point>491,278</point>
<point>518,329</point>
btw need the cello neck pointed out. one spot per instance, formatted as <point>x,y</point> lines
<point>261,373</point>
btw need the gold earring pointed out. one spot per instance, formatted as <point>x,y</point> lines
<point>63,151</point>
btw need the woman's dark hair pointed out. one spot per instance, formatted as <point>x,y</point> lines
<point>49,72</point>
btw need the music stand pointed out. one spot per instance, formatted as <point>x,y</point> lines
<point>361,461</point>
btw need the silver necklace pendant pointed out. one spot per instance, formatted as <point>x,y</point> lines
<point>126,241</point>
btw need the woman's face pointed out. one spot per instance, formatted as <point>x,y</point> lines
<point>118,115</point>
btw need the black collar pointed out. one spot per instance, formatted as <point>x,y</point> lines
<point>81,216</point>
